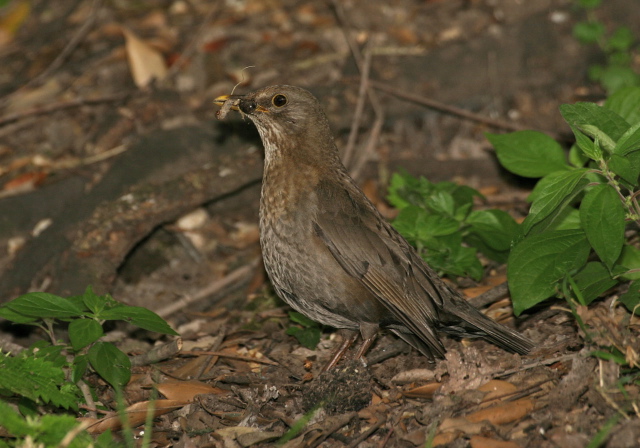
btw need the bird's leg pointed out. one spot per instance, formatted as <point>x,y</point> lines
<point>366,343</point>
<point>348,337</point>
<point>369,333</point>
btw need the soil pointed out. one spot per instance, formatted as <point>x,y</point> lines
<point>136,188</point>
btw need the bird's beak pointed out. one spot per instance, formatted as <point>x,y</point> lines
<point>222,99</point>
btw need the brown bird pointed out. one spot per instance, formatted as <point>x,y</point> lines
<point>330,254</point>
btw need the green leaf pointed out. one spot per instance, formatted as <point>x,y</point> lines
<point>416,224</point>
<point>577,157</point>
<point>447,255</point>
<point>621,40</point>
<point>44,305</point>
<point>539,261</point>
<point>495,227</point>
<point>406,190</point>
<point>586,145</point>
<point>568,219</point>
<point>588,32</point>
<point>602,217</point>
<point>552,194</point>
<point>626,103</point>
<point>409,220</point>
<point>528,153</point>
<point>596,122</point>
<point>110,363</point>
<point>442,203</point>
<point>37,379</point>
<point>616,77</point>
<point>589,4</point>
<point>631,298</point>
<point>13,422</point>
<point>18,318</point>
<point>463,195</point>
<point>52,429</point>
<point>139,316</point>
<point>309,337</point>
<point>630,259</point>
<point>593,280</point>
<point>630,141</point>
<point>301,319</point>
<point>94,302</point>
<point>83,332</point>
<point>80,364</point>
<point>613,355</point>
<point>627,167</point>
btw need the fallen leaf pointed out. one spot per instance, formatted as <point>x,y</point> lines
<point>136,415</point>
<point>186,390</point>
<point>425,391</point>
<point>146,63</point>
<point>495,389</point>
<point>486,442</point>
<point>506,413</point>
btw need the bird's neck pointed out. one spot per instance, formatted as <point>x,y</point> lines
<point>286,184</point>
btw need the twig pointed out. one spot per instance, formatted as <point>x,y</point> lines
<point>339,422</point>
<point>371,142</point>
<point>437,105</point>
<point>533,365</point>
<point>213,288</point>
<point>364,67</point>
<point>343,22</point>
<point>73,433</point>
<point>42,110</point>
<point>159,353</point>
<point>493,295</point>
<point>66,51</point>
<point>357,115</point>
<point>191,46</point>
<point>71,45</point>
<point>365,435</point>
<point>230,356</point>
<point>88,398</point>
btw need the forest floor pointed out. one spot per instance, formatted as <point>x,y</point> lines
<point>80,131</point>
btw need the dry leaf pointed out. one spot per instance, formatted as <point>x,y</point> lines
<point>410,376</point>
<point>25,182</point>
<point>14,16</point>
<point>444,438</point>
<point>485,442</point>
<point>460,425</point>
<point>506,413</point>
<point>425,391</point>
<point>136,415</point>
<point>146,63</point>
<point>186,390</point>
<point>496,388</point>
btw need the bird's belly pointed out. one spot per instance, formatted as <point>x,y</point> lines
<point>307,276</point>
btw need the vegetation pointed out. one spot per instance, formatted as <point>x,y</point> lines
<point>46,376</point>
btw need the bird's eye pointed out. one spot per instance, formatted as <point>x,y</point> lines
<point>279,100</point>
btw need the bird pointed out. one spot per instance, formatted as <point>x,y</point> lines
<point>327,250</point>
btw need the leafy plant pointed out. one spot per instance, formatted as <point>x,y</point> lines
<point>579,207</point>
<point>437,218</point>
<point>47,372</point>
<point>307,332</point>
<point>618,47</point>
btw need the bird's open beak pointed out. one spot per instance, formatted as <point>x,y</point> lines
<point>222,99</point>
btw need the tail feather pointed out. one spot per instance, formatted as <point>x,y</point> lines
<point>465,320</point>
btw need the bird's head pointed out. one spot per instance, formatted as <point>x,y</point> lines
<point>290,121</point>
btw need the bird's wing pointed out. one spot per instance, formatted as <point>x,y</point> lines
<point>369,249</point>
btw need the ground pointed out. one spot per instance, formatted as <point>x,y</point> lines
<point>135,188</point>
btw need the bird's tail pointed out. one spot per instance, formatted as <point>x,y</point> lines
<point>462,319</point>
